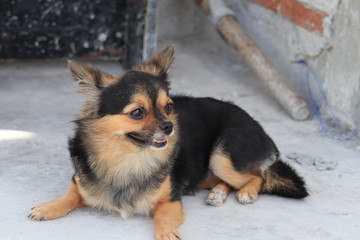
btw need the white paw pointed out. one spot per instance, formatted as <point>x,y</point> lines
<point>216,197</point>
<point>245,198</point>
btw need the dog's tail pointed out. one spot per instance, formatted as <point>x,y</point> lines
<point>282,180</point>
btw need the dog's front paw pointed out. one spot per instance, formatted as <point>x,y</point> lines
<point>48,211</point>
<point>167,233</point>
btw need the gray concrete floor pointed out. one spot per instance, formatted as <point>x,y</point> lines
<point>38,104</point>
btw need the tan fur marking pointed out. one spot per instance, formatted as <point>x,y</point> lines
<point>223,186</point>
<point>222,167</point>
<point>162,99</point>
<point>117,125</point>
<point>139,100</point>
<point>273,182</point>
<point>164,192</point>
<point>59,207</point>
<point>168,216</point>
<point>210,182</point>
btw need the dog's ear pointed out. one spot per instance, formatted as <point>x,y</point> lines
<point>159,64</point>
<point>89,79</point>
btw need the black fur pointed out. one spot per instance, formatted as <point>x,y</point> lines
<point>79,155</point>
<point>73,179</point>
<point>206,122</point>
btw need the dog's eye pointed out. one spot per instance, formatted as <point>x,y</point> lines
<point>169,108</point>
<point>137,114</point>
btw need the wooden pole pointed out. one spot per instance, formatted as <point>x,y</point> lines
<point>231,31</point>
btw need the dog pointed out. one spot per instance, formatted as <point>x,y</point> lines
<point>137,149</point>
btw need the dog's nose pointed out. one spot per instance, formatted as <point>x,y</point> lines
<point>167,127</point>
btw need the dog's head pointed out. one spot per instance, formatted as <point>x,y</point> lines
<point>135,106</point>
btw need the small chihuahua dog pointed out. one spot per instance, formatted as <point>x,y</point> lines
<point>137,149</point>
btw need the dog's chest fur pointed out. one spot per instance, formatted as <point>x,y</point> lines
<point>120,179</point>
<point>127,191</point>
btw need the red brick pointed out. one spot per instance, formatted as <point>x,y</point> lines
<point>297,12</point>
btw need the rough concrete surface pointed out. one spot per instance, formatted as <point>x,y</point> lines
<point>36,109</point>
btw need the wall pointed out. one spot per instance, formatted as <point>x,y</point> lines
<point>342,79</point>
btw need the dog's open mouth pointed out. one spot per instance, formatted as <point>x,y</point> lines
<point>157,142</point>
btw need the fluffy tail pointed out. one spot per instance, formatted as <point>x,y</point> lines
<point>282,180</point>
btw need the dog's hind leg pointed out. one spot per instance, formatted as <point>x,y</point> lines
<point>219,190</point>
<point>248,184</point>
<point>218,194</point>
<point>249,192</point>
<point>59,207</point>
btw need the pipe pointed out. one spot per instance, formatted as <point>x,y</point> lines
<point>231,31</point>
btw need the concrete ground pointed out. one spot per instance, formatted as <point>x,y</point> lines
<point>38,104</point>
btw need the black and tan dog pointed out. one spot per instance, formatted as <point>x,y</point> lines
<point>136,150</point>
